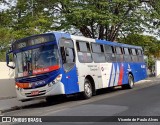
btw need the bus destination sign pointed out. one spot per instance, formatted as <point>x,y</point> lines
<point>34,40</point>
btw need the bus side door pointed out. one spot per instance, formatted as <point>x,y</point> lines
<point>69,66</point>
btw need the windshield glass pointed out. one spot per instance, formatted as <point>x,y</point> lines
<point>36,61</point>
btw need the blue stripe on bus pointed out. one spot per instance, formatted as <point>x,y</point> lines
<point>110,76</point>
<point>70,78</point>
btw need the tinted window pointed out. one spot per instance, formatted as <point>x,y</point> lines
<point>127,56</point>
<point>133,52</point>
<point>83,46</point>
<point>139,52</point>
<point>99,57</point>
<point>98,53</point>
<point>108,49</point>
<point>110,53</point>
<point>118,50</point>
<point>119,55</point>
<point>140,55</point>
<point>66,43</point>
<point>67,53</point>
<point>84,57</point>
<point>97,48</point>
<point>83,51</point>
<point>126,51</point>
<point>134,55</point>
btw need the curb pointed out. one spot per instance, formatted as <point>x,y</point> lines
<point>19,107</point>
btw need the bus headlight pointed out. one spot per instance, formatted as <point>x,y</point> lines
<point>18,88</point>
<point>58,78</point>
<point>51,83</point>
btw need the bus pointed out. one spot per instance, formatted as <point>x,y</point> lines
<point>58,63</point>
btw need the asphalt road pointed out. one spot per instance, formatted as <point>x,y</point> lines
<point>143,100</point>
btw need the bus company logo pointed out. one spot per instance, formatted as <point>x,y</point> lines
<point>6,119</point>
<point>143,66</point>
<point>129,68</point>
<point>38,83</point>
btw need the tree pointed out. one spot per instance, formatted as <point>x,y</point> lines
<point>150,45</point>
<point>103,19</point>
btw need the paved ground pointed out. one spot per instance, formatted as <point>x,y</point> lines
<point>9,104</point>
<point>143,100</point>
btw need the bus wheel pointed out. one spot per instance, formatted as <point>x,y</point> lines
<point>87,89</point>
<point>130,84</point>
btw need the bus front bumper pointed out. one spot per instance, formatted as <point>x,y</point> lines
<point>26,94</point>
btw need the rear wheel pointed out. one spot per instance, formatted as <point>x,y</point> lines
<point>87,89</point>
<point>130,84</point>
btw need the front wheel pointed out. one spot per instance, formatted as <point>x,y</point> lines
<point>87,89</point>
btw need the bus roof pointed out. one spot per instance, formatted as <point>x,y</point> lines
<point>84,39</point>
<point>105,42</point>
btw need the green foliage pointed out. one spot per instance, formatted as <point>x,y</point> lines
<point>150,44</point>
<point>151,64</point>
<point>102,19</point>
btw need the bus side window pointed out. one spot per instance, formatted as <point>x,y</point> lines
<point>119,54</point>
<point>98,53</point>
<point>83,51</point>
<point>109,53</point>
<point>113,54</point>
<point>69,55</point>
<point>140,55</point>
<point>134,55</point>
<point>127,56</point>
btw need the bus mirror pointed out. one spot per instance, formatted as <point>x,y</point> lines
<point>8,60</point>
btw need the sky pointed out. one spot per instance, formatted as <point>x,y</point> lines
<point>4,6</point>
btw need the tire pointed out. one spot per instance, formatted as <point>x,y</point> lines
<point>88,91</point>
<point>130,84</point>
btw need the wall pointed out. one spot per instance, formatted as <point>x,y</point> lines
<point>7,83</point>
<point>157,68</point>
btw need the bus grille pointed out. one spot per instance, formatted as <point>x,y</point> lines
<point>34,79</point>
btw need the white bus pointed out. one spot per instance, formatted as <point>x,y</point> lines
<point>59,63</point>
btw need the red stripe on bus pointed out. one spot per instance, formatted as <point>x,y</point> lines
<point>45,70</point>
<point>120,75</point>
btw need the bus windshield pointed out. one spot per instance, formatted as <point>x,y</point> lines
<point>36,61</point>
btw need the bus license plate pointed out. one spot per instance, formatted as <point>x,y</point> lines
<point>35,92</point>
